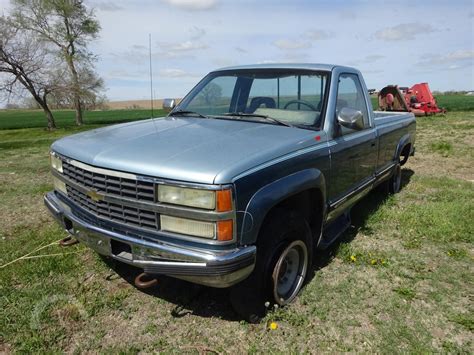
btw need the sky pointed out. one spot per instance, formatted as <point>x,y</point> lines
<point>400,42</point>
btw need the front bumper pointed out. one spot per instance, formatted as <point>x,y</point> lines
<point>211,267</point>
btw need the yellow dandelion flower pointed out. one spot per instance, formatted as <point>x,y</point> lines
<point>373,261</point>
<point>273,326</point>
<point>353,258</point>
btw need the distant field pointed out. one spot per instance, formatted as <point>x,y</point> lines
<point>12,119</point>
<point>133,104</point>
<point>449,102</point>
<point>456,102</point>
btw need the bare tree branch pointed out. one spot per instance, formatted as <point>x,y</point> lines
<point>26,64</point>
<point>69,26</point>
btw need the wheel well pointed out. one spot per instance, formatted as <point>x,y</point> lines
<point>309,204</point>
<point>405,153</point>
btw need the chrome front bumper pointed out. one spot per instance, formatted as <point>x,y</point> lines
<point>211,267</point>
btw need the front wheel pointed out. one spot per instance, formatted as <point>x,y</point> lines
<point>284,253</point>
<point>289,272</point>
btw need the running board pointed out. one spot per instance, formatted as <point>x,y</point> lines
<point>334,230</point>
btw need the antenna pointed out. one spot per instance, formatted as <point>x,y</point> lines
<point>151,75</point>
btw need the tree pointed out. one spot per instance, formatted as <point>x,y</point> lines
<point>211,93</point>
<point>68,25</point>
<point>91,86</point>
<point>27,64</point>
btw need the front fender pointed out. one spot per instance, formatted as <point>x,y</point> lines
<point>270,195</point>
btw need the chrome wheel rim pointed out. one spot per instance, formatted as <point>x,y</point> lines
<point>289,272</point>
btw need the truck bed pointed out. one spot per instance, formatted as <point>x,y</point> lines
<point>387,116</point>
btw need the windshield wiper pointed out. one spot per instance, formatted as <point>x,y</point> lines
<point>186,112</point>
<point>243,114</point>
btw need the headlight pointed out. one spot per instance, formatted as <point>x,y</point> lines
<point>221,230</point>
<point>187,197</point>
<point>56,163</point>
<point>59,185</point>
<point>188,226</point>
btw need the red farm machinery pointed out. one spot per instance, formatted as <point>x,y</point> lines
<point>417,99</point>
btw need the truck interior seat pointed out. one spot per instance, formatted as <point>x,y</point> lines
<point>258,101</point>
<point>291,116</point>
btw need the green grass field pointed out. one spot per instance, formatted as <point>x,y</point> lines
<point>11,119</point>
<point>400,280</point>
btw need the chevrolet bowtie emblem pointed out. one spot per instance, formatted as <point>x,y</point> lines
<point>95,196</point>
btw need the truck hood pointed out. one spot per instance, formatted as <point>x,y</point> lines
<point>210,151</point>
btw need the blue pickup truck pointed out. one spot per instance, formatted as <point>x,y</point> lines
<point>255,168</point>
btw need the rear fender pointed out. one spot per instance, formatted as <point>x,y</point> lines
<point>406,139</point>
<point>272,194</point>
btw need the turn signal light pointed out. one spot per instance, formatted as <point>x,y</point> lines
<point>224,200</point>
<point>225,230</point>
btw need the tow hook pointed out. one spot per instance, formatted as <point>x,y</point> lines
<point>142,282</point>
<point>68,241</point>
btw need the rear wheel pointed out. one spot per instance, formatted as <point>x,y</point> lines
<point>284,253</point>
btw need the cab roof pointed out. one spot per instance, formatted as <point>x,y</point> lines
<point>304,66</point>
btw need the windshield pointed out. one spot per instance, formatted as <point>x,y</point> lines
<point>289,97</point>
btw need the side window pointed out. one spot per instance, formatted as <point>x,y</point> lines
<point>350,94</point>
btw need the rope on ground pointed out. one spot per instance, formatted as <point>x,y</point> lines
<point>56,254</point>
<point>31,252</point>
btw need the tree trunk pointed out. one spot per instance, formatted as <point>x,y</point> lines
<point>76,89</point>
<point>78,108</point>
<point>50,118</point>
<point>41,100</point>
<point>47,112</point>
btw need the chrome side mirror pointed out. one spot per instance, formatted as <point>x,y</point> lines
<point>351,118</point>
<point>169,104</point>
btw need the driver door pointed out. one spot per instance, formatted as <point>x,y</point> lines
<point>354,154</point>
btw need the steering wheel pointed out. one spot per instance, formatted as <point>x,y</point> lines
<point>305,103</point>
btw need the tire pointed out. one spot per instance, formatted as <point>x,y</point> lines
<point>395,181</point>
<point>284,253</point>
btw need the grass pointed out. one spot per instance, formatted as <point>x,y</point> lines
<point>14,119</point>
<point>400,280</point>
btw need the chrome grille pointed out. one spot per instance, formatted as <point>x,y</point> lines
<point>122,187</point>
<point>124,214</point>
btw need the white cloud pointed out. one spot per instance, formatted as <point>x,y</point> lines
<point>122,74</point>
<point>174,73</point>
<point>186,46</point>
<point>135,56</point>
<point>369,59</point>
<point>403,32</point>
<point>241,50</point>
<point>286,44</point>
<point>197,32</point>
<point>105,5</point>
<point>139,47</point>
<point>449,58</point>
<point>193,5</point>
<point>318,35</point>
<point>199,41</point>
<point>189,46</point>
<point>180,50</point>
